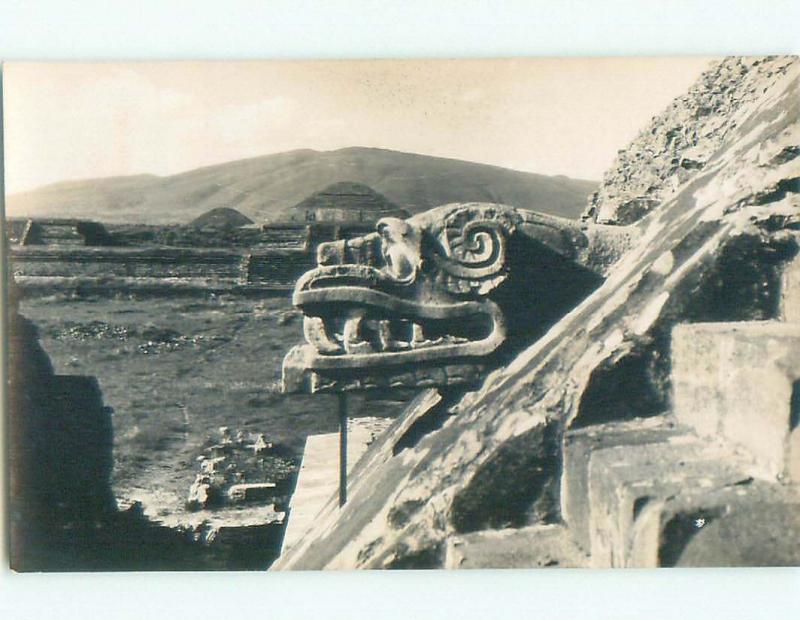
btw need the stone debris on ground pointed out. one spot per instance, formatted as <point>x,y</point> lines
<point>240,468</point>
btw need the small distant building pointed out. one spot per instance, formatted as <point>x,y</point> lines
<point>347,203</point>
<point>288,248</point>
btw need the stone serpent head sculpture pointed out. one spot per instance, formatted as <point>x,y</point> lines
<point>459,287</point>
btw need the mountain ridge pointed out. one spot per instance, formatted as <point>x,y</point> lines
<point>266,187</point>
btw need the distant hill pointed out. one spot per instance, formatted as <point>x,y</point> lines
<point>221,217</point>
<point>268,187</point>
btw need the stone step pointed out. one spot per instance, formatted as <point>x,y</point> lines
<point>741,382</point>
<point>640,493</point>
<point>751,523</point>
<point>624,479</point>
<point>649,493</point>
<point>580,447</point>
<point>540,546</point>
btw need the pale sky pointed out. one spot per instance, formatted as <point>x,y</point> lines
<point>550,116</point>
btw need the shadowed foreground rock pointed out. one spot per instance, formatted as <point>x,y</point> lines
<point>592,446</point>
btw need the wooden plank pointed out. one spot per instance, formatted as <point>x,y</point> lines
<point>318,478</point>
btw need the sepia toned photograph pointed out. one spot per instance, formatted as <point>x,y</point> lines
<point>402,314</point>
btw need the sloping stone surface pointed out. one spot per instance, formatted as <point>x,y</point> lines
<point>490,463</point>
<point>678,143</point>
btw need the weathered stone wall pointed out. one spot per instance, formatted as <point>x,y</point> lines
<point>125,262</point>
<point>286,236</point>
<point>60,442</point>
<point>275,266</point>
<point>282,254</point>
<point>737,381</point>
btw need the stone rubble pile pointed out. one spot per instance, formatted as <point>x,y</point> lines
<point>680,141</point>
<point>243,468</point>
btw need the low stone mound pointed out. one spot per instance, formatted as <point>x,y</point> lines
<point>222,218</point>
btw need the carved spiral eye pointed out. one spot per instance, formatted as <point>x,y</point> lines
<point>473,243</point>
<point>478,252</point>
<point>482,246</point>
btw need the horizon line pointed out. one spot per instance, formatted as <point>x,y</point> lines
<point>297,150</point>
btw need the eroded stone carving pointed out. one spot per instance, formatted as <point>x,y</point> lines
<point>429,291</point>
<point>635,487</point>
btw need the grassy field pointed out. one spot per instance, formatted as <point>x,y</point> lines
<point>176,369</point>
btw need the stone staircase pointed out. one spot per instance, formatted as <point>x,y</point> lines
<point>658,491</point>
<point>714,482</point>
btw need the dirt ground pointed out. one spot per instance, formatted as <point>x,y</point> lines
<point>174,370</point>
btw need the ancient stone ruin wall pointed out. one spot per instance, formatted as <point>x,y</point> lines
<point>59,446</point>
<point>125,262</point>
<point>680,141</point>
<point>656,424</point>
<point>60,232</point>
<point>276,267</point>
<point>283,252</point>
<point>286,236</point>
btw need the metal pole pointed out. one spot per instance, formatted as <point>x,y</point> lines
<point>342,448</point>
